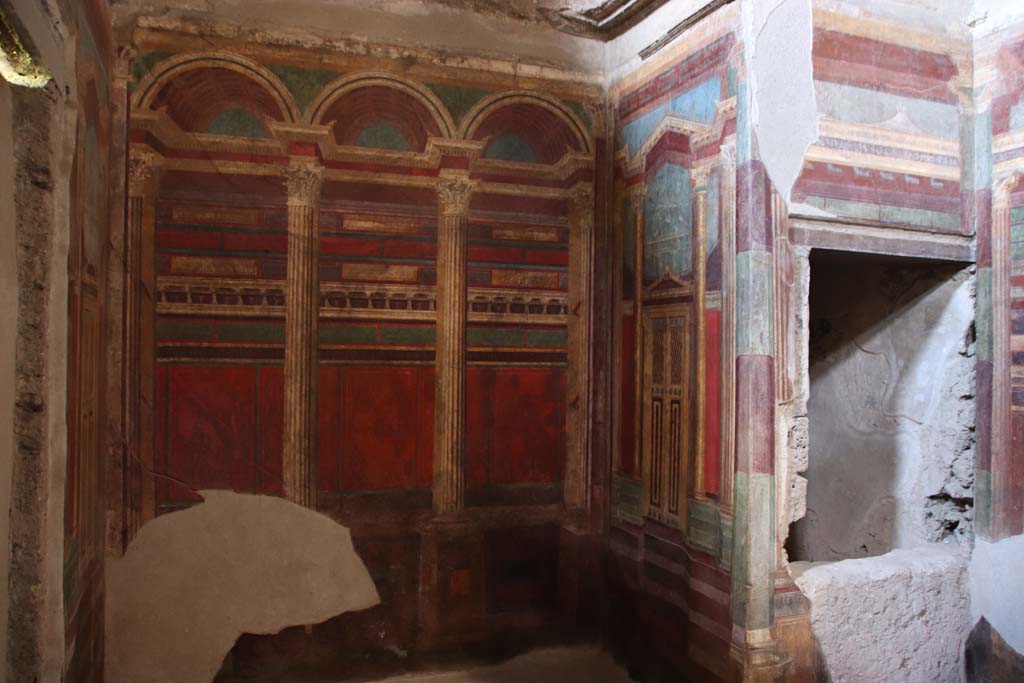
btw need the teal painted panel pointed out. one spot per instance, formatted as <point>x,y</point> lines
<point>238,123</point>
<point>414,336</point>
<point>668,224</point>
<point>581,111</point>
<point>744,126</point>
<point>867,106</point>
<point>761,571</point>
<point>727,541</point>
<point>983,503</point>
<point>900,215</point>
<point>976,148</point>
<point>704,527</point>
<point>547,338</point>
<point>754,312</point>
<point>459,100</point>
<point>348,334</point>
<point>983,314</point>
<point>175,329</point>
<point>145,63</point>
<point>382,136</point>
<point>1017,242</point>
<point>711,214</point>
<point>698,104</point>
<point>627,499</point>
<point>490,336</point>
<point>250,332</point>
<point>510,148</point>
<point>740,550</point>
<point>303,84</point>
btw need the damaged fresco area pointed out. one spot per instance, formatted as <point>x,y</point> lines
<point>195,580</point>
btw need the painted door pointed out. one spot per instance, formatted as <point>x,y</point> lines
<point>667,415</point>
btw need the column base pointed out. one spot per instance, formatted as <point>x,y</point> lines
<point>761,663</point>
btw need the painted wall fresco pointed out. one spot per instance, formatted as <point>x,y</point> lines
<point>221,236</point>
<point>670,502</point>
<point>999,148</point>
<point>889,129</point>
<point>84,504</point>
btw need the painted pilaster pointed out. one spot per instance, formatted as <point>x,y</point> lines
<point>700,331</point>
<point>636,197</point>
<point>139,361</point>
<point>753,576</point>
<point>122,511</point>
<point>581,231</point>
<point>1007,497</point>
<point>454,191</point>
<point>976,218</point>
<point>727,235</point>
<point>302,311</point>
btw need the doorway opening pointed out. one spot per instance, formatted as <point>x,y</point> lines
<point>891,406</point>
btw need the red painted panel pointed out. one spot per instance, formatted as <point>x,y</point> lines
<point>210,426</point>
<point>256,242</point>
<point>713,403</point>
<point>270,433</point>
<point>396,249</point>
<point>495,254</point>
<point>160,451</point>
<point>548,257</point>
<point>329,429</point>
<point>380,424</point>
<point>627,429</point>
<point>350,246</point>
<point>187,239</point>
<point>425,418</point>
<point>528,425</point>
<point>478,424</point>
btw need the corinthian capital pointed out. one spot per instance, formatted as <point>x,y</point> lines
<point>304,180</point>
<point>143,172</point>
<point>454,191</point>
<point>125,61</point>
<point>581,197</point>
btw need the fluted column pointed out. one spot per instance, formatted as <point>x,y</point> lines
<point>637,198</point>
<point>700,334</point>
<point>581,233</point>
<point>301,352</point>
<point>453,194</point>
<point>139,360</point>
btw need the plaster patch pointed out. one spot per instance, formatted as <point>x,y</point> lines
<point>995,575</point>
<point>193,581</point>
<point>899,617</point>
<point>783,110</point>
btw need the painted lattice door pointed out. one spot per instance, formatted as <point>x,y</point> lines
<point>667,435</point>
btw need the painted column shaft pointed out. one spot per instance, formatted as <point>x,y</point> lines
<point>301,353</point>
<point>139,363</point>
<point>581,231</point>
<point>454,193</point>
<point>700,338</point>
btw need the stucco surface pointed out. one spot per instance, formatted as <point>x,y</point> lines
<point>901,617</point>
<point>193,581</point>
<point>891,410</point>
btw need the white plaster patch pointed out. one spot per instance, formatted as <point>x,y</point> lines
<point>996,572</point>
<point>193,581</point>
<point>901,617</point>
<point>783,111</point>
